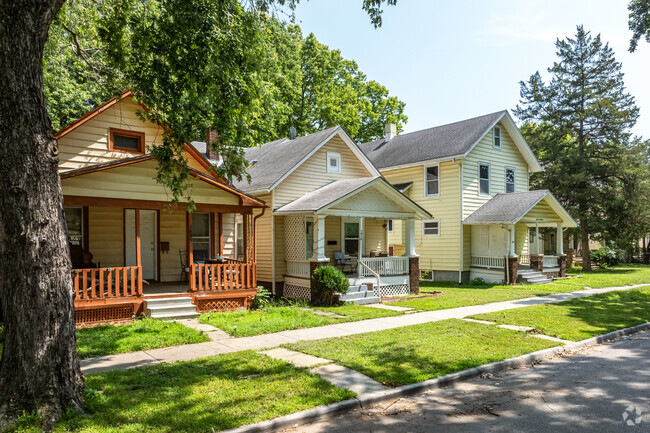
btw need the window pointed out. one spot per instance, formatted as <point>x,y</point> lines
<point>484,178</point>
<point>309,239</point>
<point>333,162</point>
<point>201,236</point>
<point>432,181</point>
<point>126,141</point>
<point>496,136</point>
<point>351,241</point>
<point>430,228</point>
<point>240,240</point>
<point>510,179</point>
<point>74,221</point>
<point>390,226</point>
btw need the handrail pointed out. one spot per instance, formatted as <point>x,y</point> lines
<point>99,283</point>
<point>229,276</point>
<point>375,274</point>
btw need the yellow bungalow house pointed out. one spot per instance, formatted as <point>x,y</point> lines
<point>132,250</point>
<point>473,175</point>
<point>329,205</point>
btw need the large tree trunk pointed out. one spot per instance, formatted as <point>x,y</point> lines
<point>586,253</point>
<point>39,369</point>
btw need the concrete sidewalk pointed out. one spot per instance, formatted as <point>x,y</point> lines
<point>267,341</point>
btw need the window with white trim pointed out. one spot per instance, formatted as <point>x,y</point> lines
<point>496,137</point>
<point>483,178</point>
<point>431,181</point>
<point>431,228</point>
<point>333,162</point>
<point>510,179</point>
<point>352,236</point>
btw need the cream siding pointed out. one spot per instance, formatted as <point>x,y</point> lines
<point>228,221</point>
<point>312,174</point>
<point>541,211</point>
<point>280,263</point>
<point>106,235</point>
<point>332,234</point>
<point>173,229</point>
<point>264,242</point>
<point>375,235</point>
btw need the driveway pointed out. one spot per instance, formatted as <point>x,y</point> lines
<point>589,390</point>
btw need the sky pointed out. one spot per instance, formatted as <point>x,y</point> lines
<point>453,60</point>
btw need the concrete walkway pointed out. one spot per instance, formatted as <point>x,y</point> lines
<point>266,341</point>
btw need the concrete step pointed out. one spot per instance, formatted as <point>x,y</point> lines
<point>171,308</point>
<point>159,302</point>
<point>359,288</point>
<point>542,280</point>
<point>177,316</point>
<point>356,295</point>
<point>368,300</point>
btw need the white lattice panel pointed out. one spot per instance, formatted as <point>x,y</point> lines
<point>294,238</point>
<point>295,291</point>
<point>393,290</point>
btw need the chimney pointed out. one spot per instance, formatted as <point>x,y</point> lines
<point>211,136</point>
<point>390,131</point>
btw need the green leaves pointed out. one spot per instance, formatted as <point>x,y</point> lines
<point>639,22</point>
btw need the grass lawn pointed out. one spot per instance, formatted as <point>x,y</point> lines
<point>415,353</point>
<point>139,335</point>
<point>460,295</point>
<point>276,319</point>
<point>219,392</point>
<point>581,318</point>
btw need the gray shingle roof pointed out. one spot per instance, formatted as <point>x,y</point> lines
<point>201,147</point>
<point>433,143</point>
<point>401,187</point>
<point>325,195</point>
<point>273,160</point>
<point>506,208</point>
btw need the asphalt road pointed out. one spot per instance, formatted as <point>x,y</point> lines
<point>587,391</point>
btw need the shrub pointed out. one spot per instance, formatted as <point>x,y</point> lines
<point>262,298</point>
<point>328,281</point>
<point>605,257</point>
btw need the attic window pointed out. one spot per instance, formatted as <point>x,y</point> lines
<point>126,141</point>
<point>333,162</point>
<point>497,137</point>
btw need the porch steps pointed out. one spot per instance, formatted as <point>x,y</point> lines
<point>529,276</point>
<point>171,308</point>
<point>360,295</point>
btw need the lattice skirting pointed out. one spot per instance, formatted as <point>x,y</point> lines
<point>295,291</point>
<point>104,313</point>
<point>393,290</point>
<point>221,304</point>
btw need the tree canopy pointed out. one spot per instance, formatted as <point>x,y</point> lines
<point>639,22</point>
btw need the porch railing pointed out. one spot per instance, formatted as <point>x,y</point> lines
<point>298,268</point>
<point>488,262</point>
<point>550,261</point>
<point>99,283</point>
<point>384,266</point>
<point>524,259</point>
<point>230,276</point>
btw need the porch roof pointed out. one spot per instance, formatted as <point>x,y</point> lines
<point>327,200</point>
<point>529,207</point>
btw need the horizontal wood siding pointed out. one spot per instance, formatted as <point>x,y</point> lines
<point>521,239</point>
<point>438,253</point>
<point>375,235</point>
<point>280,263</point>
<point>541,211</point>
<point>332,233</point>
<point>312,174</point>
<point>106,235</point>
<point>499,159</point>
<point>229,240</point>
<point>173,229</point>
<point>264,243</point>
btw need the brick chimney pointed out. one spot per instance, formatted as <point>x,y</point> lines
<point>211,136</point>
<point>390,131</point>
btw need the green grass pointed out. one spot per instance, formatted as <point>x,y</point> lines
<point>219,392</point>
<point>415,353</point>
<point>140,335</point>
<point>276,319</point>
<point>460,295</point>
<point>581,318</point>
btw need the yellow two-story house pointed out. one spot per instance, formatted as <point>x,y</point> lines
<point>473,176</point>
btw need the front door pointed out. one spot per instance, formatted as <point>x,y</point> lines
<point>148,242</point>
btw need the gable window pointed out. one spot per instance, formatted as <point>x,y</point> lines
<point>510,179</point>
<point>496,137</point>
<point>126,141</point>
<point>432,181</point>
<point>484,178</point>
<point>333,162</point>
<point>431,228</point>
<point>200,236</point>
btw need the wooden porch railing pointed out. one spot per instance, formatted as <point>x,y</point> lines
<point>385,266</point>
<point>488,262</point>
<point>102,283</point>
<point>229,276</point>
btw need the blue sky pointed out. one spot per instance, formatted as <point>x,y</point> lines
<point>451,60</point>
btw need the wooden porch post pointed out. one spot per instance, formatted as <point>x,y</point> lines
<point>190,248</point>
<point>138,251</point>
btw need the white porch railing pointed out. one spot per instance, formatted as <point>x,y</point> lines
<point>384,266</point>
<point>524,259</point>
<point>366,268</point>
<point>298,268</point>
<point>488,262</point>
<point>550,262</point>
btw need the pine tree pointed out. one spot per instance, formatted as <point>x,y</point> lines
<point>579,123</point>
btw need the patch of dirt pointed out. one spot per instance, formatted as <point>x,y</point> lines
<point>408,298</point>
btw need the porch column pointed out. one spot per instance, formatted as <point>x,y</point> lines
<point>512,241</point>
<point>190,249</point>
<point>138,250</point>
<point>409,241</point>
<point>362,232</point>
<point>537,237</point>
<point>561,257</point>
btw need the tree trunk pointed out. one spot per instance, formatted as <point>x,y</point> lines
<point>39,369</point>
<point>586,254</point>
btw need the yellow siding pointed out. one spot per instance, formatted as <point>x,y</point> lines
<point>264,242</point>
<point>88,144</point>
<point>375,235</point>
<point>173,229</point>
<point>280,263</point>
<point>499,159</point>
<point>467,247</point>
<point>106,235</point>
<point>228,221</point>
<point>136,181</point>
<point>438,253</point>
<point>332,233</point>
<point>541,211</point>
<point>521,239</point>
<point>312,174</point>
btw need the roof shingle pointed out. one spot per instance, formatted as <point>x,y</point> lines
<point>506,208</point>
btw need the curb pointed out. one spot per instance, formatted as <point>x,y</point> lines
<point>324,412</point>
